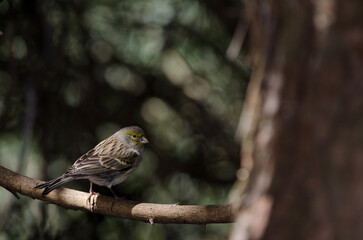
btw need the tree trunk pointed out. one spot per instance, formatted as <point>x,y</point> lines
<point>310,127</point>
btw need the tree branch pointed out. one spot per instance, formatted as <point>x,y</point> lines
<point>146,212</point>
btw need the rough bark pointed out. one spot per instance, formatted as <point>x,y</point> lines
<point>311,116</point>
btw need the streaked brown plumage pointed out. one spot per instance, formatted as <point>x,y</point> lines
<point>107,164</point>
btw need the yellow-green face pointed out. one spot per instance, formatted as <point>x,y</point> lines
<point>137,138</point>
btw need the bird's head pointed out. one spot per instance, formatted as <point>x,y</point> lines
<point>134,136</point>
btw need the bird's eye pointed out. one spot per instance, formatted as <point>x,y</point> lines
<point>134,136</point>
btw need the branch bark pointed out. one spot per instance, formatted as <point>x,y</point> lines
<point>146,212</point>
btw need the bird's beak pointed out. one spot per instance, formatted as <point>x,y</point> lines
<point>144,140</point>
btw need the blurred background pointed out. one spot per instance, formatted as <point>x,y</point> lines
<point>74,72</point>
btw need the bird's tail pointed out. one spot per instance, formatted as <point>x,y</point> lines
<point>53,184</point>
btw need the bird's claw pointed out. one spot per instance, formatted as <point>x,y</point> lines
<point>115,200</point>
<point>90,195</point>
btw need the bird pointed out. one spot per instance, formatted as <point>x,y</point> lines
<point>107,164</point>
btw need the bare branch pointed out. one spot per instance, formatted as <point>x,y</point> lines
<point>146,212</point>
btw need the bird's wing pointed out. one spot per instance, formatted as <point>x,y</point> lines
<point>93,163</point>
<point>120,163</point>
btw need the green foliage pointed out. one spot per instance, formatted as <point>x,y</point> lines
<point>84,69</point>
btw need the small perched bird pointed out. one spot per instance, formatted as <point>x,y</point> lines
<point>107,164</point>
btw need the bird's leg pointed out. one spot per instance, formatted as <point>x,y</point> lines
<point>91,192</point>
<point>116,198</point>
